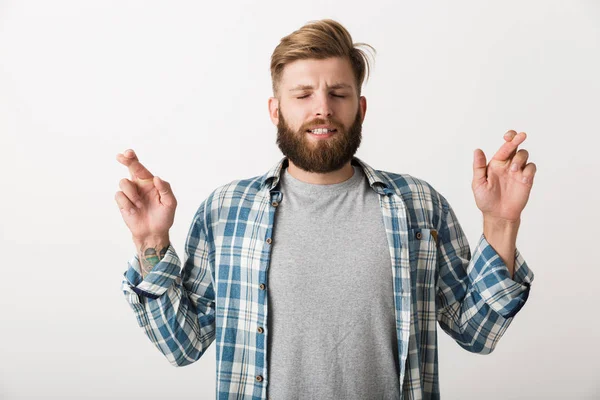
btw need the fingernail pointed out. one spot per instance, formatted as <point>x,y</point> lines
<point>514,167</point>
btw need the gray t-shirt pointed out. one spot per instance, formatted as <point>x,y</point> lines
<point>332,331</point>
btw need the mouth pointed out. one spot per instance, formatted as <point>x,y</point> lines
<point>321,132</point>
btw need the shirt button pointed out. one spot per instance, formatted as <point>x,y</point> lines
<point>274,204</point>
<point>269,240</point>
<point>262,286</point>
<point>260,329</point>
<point>259,378</point>
<point>419,235</point>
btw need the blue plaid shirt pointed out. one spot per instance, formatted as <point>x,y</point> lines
<point>222,290</point>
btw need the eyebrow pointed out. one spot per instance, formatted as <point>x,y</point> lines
<point>334,86</point>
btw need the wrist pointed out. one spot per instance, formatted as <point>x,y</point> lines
<point>500,229</point>
<point>154,241</point>
<point>151,250</point>
<point>501,234</point>
<point>502,223</point>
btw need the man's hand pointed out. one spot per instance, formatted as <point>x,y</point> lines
<point>146,202</point>
<point>502,187</point>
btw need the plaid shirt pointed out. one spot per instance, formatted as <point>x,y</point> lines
<point>222,290</point>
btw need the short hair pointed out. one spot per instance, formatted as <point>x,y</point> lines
<point>320,40</point>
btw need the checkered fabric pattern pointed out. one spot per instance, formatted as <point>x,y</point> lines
<point>220,291</point>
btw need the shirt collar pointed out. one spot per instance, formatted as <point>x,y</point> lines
<point>377,181</point>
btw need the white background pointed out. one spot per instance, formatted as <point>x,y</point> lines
<point>186,85</point>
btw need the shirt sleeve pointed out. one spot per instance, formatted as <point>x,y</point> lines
<point>158,280</point>
<point>491,279</point>
<point>176,307</point>
<point>476,298</point>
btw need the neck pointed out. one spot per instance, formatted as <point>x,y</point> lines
<point>328,178</point>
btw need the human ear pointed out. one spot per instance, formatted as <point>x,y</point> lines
<point>274,110</point>
<point>363,107</point>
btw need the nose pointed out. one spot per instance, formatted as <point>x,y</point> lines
<point>323,107</point>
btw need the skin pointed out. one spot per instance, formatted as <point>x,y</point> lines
<point>147,205</point>
<point>501,187</point>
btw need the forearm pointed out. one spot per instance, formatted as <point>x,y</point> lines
<point>150,251</point>
<point>179,327</point>
<point>180,323</point>
<point>502,236</point>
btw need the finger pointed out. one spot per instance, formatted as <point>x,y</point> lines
<point>124,204</point>
<point>508,149</point>
<point>131,191</point>
<point>519,159</point>
<point>165,193</point>
<point>508,136</point>
<point>479,166</point>
<point>529,173</point>
<point>136,169</point>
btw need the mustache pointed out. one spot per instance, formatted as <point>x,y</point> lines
<point>311,125</point>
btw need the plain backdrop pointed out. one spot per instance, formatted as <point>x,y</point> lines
<point>186,85</point>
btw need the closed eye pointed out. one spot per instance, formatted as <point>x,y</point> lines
<point>334,95</point>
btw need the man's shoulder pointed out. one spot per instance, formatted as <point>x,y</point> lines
<point>425,206</point>
<point>235,192</point>
<point>240,187</point>
<point>412,188</point>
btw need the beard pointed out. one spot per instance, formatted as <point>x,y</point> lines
<point>321,155</point>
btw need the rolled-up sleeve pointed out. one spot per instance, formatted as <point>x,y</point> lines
<point>175,302</point>
<point>160,278</point>
<point>490,276</point>
<point>476,298</point>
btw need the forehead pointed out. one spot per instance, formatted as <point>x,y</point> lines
<point>317,73</point>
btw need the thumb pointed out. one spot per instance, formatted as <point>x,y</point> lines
<point>165,193</point>
<point>479,166</point>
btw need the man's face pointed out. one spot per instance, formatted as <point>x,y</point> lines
<point>315,93</point>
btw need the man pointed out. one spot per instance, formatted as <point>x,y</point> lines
<point>325,278</point>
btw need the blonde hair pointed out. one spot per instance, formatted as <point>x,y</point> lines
<point>319,40</point>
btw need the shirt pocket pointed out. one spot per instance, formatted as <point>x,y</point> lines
<point>422,245</point>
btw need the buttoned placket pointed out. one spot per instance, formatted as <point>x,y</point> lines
<point>274,199</point>
<point>396,226</point>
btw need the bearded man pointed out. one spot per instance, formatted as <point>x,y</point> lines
<point>325,278</point>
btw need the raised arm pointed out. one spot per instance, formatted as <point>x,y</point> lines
<point>175,307</point>
<point>476,296</point>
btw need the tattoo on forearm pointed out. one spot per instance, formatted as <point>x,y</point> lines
<point>150,258</point>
